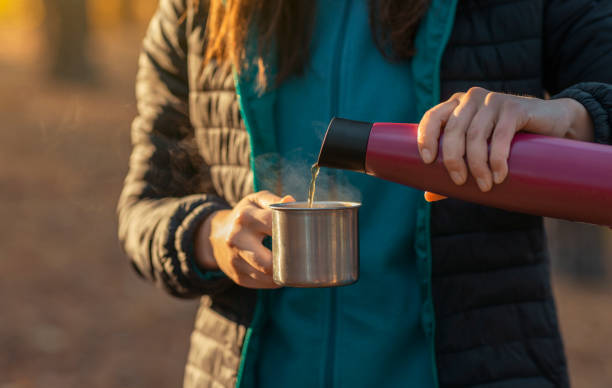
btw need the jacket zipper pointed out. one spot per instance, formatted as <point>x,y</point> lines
<point>334,103</point>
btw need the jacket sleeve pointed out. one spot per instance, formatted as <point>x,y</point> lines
<point>167,192</point>
<point>578,57</point>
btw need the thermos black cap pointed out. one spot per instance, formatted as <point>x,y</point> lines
<point>345,145</point>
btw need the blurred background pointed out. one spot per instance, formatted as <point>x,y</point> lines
<point>72,312</point>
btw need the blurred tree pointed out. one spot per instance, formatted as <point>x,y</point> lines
<point>67,36</point>
<point>127,10</point>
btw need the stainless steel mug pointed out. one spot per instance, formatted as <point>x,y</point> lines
<point>315,247</point>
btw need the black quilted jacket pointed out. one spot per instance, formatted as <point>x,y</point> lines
<point>496,324</point>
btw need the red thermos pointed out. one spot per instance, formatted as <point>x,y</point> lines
<point>547,176</point>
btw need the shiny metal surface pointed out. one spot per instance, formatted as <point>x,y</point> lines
<point>315,247</point>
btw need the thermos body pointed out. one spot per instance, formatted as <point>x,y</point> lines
<point>547,176</point>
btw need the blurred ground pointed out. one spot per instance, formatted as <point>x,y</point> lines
<point>72,313</point>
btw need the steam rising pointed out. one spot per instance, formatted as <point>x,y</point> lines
<point>332,185</point>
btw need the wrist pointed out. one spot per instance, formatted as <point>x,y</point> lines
<point>205,257</point>
<point>580,125</point>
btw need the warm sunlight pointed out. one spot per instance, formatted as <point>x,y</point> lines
<point>154,224</point>
<point>24,14</point>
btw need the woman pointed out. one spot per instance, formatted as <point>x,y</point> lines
<point>450,294</point>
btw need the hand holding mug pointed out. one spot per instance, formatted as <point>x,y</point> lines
<point>232,240</point>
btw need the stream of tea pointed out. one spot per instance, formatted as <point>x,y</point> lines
<point>314,170</point>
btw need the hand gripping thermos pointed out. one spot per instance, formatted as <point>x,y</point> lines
<point>547,176</point>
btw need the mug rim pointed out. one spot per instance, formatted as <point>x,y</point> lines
<point>303,206</point>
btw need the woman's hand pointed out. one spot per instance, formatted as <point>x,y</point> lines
<point>471,119</point>
<point>231,240</point>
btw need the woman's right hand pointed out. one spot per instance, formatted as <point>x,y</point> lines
<point>231,240</point>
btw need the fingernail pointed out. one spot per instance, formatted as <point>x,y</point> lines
<point>497,177</point>
<point>426,155</point>
<point>287,198</point>
<point>482,184</point>
<point>456,177</point>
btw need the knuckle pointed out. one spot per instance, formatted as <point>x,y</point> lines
<point>234,260</point>
<point>232,238</point>
<point>242,279</point>
<point>467,107</point>
<point>498,156</point>
<point>475,91</point>
<point>265,216</point>
<point>457,96</point>
<point>500,134</point>
<point>474,133</point>
<point>451,124</point>
<point>241,219</point>
<point>478,168</point>
<point>492,98</point>
<point>453,163</point>
<point>430,114</point>
<point>254,196</point>
<point>497,162</point>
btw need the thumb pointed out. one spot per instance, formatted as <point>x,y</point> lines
<point>433,197</point>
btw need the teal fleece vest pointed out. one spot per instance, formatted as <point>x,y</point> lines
<point>261,119</point>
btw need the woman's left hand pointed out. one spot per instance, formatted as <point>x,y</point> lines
<point>470,120</point>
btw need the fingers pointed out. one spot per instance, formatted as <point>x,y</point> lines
<point>251,262</point>
<point>255,219</point>
<point>477,148</point>
<point>430,127</point>
<point>247,242</point>
<point>504,132</point>
<point>259,217</point>
<point>255,253</point>
<point>453,141</point>
<point>263,199</point>
<point>469,121</point>
<point>248,276</point>
<point>236,240</point>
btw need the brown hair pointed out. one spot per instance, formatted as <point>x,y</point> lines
<point>284,28</point>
